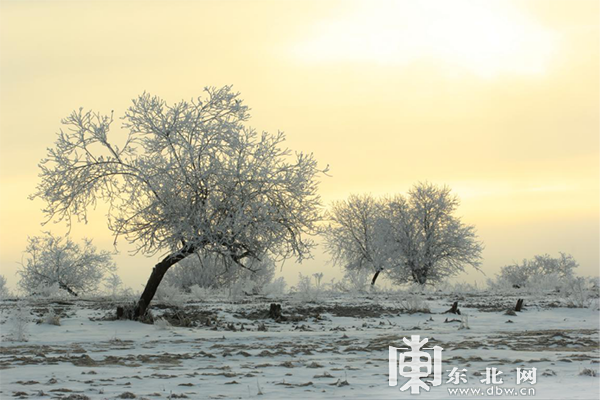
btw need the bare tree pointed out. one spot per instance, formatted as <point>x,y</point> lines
<point>351,236</point>
<point>186,178</point>
<point>426,242</point>
<point>51,260</point>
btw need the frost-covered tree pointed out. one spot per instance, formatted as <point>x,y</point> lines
<point>523,274</point>
<point>426,241</point>
<point>185,178</point>
<point>351,237</point>
<point>50,260</point>
<point>4,292</point>
<point>216,271</point>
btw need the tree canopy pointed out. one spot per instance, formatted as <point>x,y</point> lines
<point>185,178</point>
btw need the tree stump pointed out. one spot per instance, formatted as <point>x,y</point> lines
<point>519,305</point>
<point>275,312</point>
<point>120,312</point>
<point>454,309</point>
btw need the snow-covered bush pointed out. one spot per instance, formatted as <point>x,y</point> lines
<point>48,290</point>
<point>203,293</point>
<point>19,323</point>
<point>171,295</point>
<point>541,272</point>
<point>162,324</point>
<point>4,293</point>
<point>113,285</point>
<point>581,292</point>
<point>53,260</point>
<point>414,303</point>
<point>459,288</point>
<point>215,271</point>
<point>354,281</point>
<point>275,288</point>
<point>50,318</point>
<point>306,291</point>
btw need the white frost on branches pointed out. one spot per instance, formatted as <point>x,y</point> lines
<point>427,243</point>
<point>215,271</point>
<point>51,260</point>
<point>351,236</point>
<point>415,238</point>
<point>188,177</point>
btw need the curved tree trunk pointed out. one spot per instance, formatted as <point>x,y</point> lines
<point>158,272</point>
<point>68,289</point>
<point>375,277</point>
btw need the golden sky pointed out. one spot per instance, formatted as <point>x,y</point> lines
<point>498,99</point>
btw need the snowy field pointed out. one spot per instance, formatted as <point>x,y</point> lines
<point>336,346</point>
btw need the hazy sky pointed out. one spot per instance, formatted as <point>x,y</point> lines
<point>497,99</point>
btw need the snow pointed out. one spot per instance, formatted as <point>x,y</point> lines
<point>338,350</point>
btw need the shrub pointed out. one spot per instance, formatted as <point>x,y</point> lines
<point>171,296</point>
<point>541,271</point>
<point>354,281</point>
<point>51,260</point>
<point>19,323</point>
<point>162,324</point>
<point>4,293</point>
<point>580,292</point>
<point>48,290</point>
<point>115,288</point>
<point>214,271</point>
<point>275,288</point>
<point>414,304</point>
<point>306,291</point>
<point>50,318</point>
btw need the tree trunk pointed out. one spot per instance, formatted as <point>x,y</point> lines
<point>158,272</point>
<point>454,309</point>
<point>375,277</point>
<point>519,305</point>
<point>68,289</point>
<point>275,312</point>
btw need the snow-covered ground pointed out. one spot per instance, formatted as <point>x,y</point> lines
<point>334,347</point>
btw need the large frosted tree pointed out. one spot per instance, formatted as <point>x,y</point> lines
<point>186,178</point>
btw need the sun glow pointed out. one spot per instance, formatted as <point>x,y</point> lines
<point>484,38</point>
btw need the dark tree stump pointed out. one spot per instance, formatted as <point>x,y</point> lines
<point>275,312</point>
<point>519,305</point>
<point>120,312</point>
<point>454,309</point>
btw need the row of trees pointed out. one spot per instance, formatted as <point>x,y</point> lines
<point>414,238</point>
<point>191,179</point>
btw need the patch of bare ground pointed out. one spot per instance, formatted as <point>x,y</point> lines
<point>573,340</point>
<point>382,342</point>
<point>304,313</point>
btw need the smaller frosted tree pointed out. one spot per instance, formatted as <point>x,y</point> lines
<point>351,236</point>
<point>425,241</point>
<point>75,268</point>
